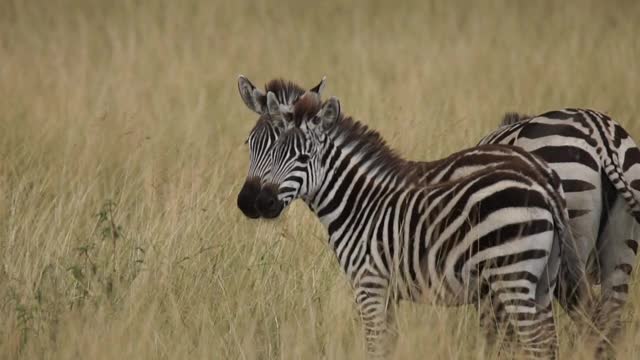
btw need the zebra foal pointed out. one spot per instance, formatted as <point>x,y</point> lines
<point>275,107</point>
<point>266,131</point>
<point>493,236</point>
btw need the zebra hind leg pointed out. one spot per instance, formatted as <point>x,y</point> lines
<point>495,336</point>
<point>617,249</point>
<point>534,327</point>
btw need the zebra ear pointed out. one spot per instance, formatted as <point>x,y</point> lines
<point>330,112</point>
<point>251,96</point>
<point>320,87</point>
<point>274,107</point>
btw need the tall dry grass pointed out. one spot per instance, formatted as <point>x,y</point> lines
<point>121,153</point>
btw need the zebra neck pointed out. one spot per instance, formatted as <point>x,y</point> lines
<point>353,189</point>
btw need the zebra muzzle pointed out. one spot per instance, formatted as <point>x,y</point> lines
<point>247,198</point>
<point>267,202</point>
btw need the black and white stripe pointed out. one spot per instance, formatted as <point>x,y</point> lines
<point>490,237</point>
<point>273,106</point>
<point>599,164</point>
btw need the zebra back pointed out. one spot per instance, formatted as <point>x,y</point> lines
<point>590,132</point>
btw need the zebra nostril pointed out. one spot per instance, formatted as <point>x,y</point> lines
<point>270,203</point>
<point>267,203</point>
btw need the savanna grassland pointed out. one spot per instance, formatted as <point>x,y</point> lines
<point>121,154</point>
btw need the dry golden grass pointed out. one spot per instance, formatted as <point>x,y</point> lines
<point>121,153</point>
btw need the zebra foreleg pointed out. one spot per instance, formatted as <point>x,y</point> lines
<point>377,310</point>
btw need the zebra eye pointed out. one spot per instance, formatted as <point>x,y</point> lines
<point>303,158</point>
<point>288,117</point>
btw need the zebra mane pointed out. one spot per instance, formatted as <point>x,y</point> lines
<point>287,92</point>
<point>348,132</point>
<point>513,118</point>
<point>370,143</point>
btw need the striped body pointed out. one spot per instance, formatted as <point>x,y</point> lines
<point>270,125</point>
<point>599,165</point>
<point>433,238</point>
<point>491,237</point>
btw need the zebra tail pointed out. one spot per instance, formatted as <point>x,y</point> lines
<point>616,175</point>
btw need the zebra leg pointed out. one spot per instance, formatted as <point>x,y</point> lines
<point>489,324</point>
<point>533,325</point>
<point>584,221</point>
<point>617,256</point>
<point>376,308</point>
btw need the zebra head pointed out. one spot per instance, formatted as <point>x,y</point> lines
<point>273,107</point>
<point>296,157</point>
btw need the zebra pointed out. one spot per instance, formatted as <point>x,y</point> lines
<point>270,125</point>
<point>599,164</point>
<point>278,109</point>
<point>266,131</point>
<point>491,237</point>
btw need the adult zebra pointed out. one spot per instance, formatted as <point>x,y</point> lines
<point>599,164</point>
<point>493,236</point>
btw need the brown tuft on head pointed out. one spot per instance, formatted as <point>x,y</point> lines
<point>513,118</point>
<point>286,91</point>
<point>306,107</point>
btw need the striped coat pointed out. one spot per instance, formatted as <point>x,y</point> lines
<point>599,164</point>
<point>492,237</point>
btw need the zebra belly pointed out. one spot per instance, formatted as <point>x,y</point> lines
<point>440,294</point>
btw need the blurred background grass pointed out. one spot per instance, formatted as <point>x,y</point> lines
<point>121,153</point>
